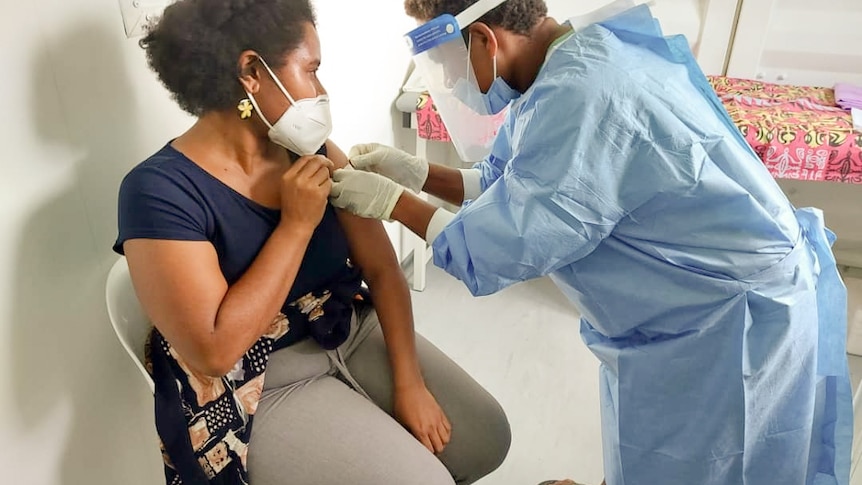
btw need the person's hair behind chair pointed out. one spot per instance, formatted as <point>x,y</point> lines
<point>195,46</point>
<point>518,16</point>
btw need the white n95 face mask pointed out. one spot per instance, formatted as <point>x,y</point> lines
<point>304,127</point>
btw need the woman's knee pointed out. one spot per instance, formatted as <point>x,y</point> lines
<point>480,442</point>
<point>500,437</point>
<point>429,471</point>
<point>498,440</point>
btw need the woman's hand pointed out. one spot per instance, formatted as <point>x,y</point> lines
<point>305,188</point>
<point>418,411</point>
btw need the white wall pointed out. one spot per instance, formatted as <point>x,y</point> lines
<point>799,42</point>
<point>84,111</point>
<point>676,16</point>
<point>81,108</point>
<point>707,24</point>
<point>365,62</point>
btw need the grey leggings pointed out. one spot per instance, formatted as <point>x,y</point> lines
<point>311,428</point>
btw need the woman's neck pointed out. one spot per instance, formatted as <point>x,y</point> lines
<point>227,140</point>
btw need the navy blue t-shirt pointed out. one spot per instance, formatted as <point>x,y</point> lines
<point>170,197</point>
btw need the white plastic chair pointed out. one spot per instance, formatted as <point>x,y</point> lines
<point>127,317</point>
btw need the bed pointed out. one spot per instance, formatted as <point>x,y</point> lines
<point>797,131</point>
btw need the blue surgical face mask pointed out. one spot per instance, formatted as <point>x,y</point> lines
<point>500,94</point>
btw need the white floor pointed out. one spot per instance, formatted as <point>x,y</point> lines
<point>523,346</point>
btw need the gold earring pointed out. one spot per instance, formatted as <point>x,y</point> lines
<point>245,109</point>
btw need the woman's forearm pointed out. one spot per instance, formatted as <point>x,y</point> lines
<point>251,304</point>
<point>185,294</point>
<point>391,297</point>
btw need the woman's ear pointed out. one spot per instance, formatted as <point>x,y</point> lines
<point>249,71</point>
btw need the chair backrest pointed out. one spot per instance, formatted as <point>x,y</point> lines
<point>127,317</point>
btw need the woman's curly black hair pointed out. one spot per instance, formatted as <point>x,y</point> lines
<point>518,16</point>
<point>195,45</point>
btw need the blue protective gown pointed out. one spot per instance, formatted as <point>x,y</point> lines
<point>714,306</point>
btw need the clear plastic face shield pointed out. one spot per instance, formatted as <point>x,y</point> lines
<point>443,60</point>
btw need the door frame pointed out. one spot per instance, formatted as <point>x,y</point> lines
<point>752,28</point>
<point>717,35</point>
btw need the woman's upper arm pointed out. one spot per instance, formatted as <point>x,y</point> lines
<point>370,247</point>
<point>174,268</point>
<point>336,155</point>
<point>180,286</point>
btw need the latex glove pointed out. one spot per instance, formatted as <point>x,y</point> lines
<point>392,163</point>
<point>365,194</point>
<point>418,411</point>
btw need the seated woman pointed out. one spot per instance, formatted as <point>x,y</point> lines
<point>254,283</point>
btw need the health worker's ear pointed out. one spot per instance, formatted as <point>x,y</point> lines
<point>484,38</point>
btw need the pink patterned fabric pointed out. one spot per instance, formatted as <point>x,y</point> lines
<point>429,124</point>
<point>798,132</point>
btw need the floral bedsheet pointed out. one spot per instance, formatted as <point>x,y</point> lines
<point>797,131</point>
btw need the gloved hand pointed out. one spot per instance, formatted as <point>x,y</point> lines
<point>392,163</point>
<point>365,194</point>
